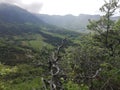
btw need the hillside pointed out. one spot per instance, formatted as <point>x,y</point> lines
<point>75,23</point>
<point>14,14</point>
<point>43,52</point>
<point>20,28</point>
<point>17,21</point>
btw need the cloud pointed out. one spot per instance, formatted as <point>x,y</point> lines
<point>10,1</point>
<point>34,7</point>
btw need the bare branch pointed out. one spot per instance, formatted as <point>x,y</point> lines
<point>55,71</point>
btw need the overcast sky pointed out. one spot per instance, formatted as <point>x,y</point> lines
<point>59,7</point>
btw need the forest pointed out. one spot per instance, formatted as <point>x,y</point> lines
<point>47,57</point>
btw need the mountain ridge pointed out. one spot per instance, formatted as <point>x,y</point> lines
<point>71,22</point>
<point>14,14</point>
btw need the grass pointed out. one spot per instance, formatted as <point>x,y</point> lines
<point>35,41</point>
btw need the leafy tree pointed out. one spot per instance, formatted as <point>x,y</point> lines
<point>95,62</point>
<point>107,38</point>
<point>105,24</point>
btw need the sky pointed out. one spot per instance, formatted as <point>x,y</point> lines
<point>59,7</point>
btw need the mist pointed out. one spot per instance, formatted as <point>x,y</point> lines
<point>33,7</point>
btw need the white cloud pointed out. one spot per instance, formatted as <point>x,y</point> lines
<point>71,6</point>
<point>34,7</point>
<point>60,7</point>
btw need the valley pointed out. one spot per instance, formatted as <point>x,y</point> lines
<point>54,52</point>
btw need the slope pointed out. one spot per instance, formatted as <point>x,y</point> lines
<point>21,29</point>
<point>75,23</point>
<point>14,14</point>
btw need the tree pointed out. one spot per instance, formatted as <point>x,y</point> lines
<point>107,38</point>
<point>55,82</point>
<point>105,24</point>
<point>96,61</point>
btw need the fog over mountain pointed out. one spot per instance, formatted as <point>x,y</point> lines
<point>58,7</point>
<point>12,13</point>
<point>70,22</point>
<point>34,7</point>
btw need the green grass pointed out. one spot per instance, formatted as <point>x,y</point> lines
<point>35,41</point>
<point>37,44</point>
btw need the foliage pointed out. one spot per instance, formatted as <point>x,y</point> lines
<point>72,86</point>
<point>90,62</point>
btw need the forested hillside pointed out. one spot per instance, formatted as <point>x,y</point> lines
<point>35,55</point>
<point>75,23</point>
<point>70,22</point>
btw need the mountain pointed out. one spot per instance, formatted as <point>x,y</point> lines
<point>22,35</point>
<point>14,14</point>
<point>75,23</point>
<point>20,27</point>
